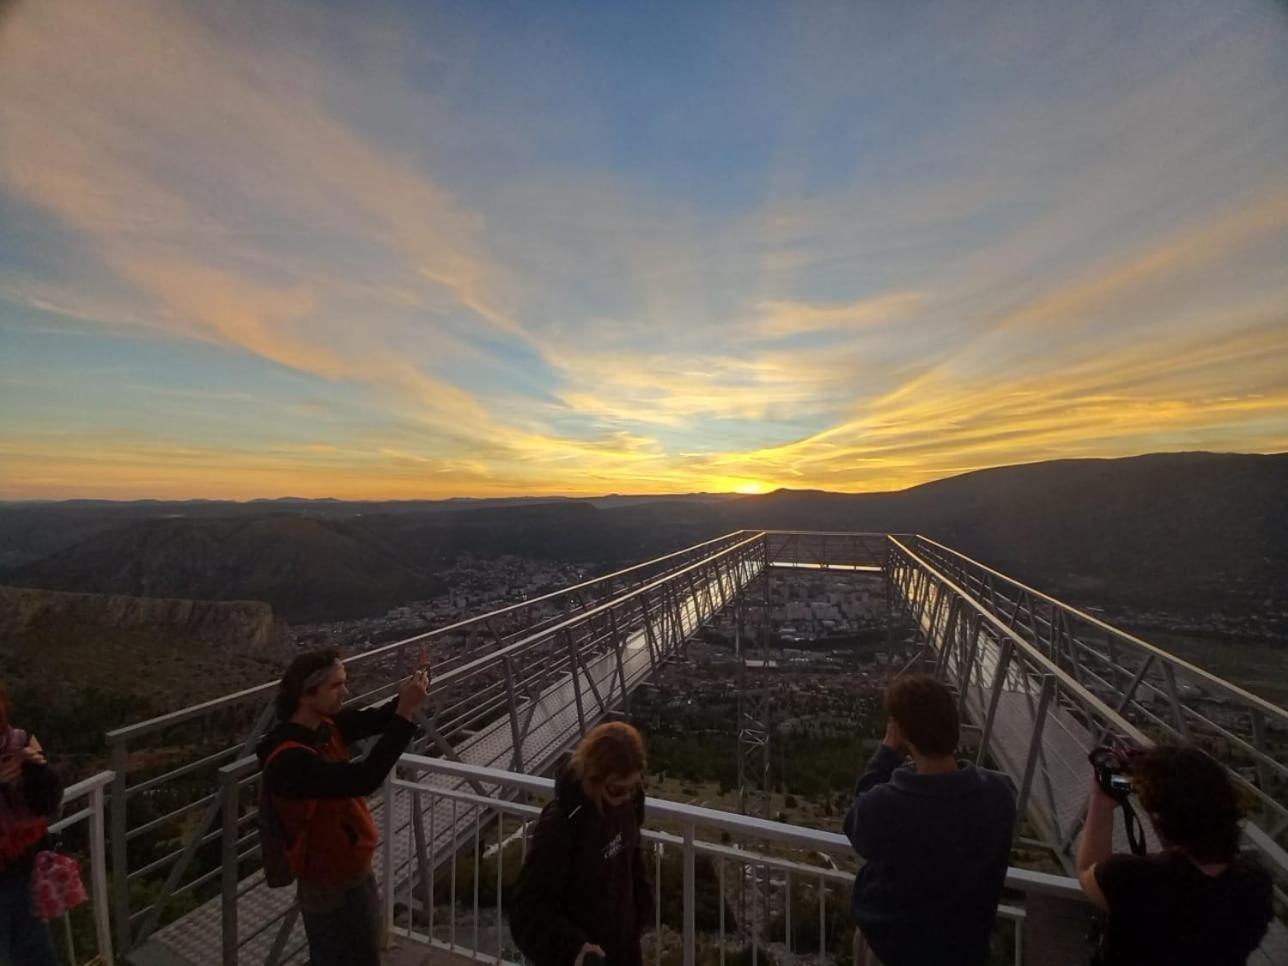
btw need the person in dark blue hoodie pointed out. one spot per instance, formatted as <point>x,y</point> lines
<point>935,837</point>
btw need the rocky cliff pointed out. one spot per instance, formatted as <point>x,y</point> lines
<point>241,626</point>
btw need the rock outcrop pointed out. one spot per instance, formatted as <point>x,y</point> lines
<point>241,626</point>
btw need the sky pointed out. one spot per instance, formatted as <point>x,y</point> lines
<point>259,248</point>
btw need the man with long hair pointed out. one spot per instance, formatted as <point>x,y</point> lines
<point>319,795</point>
<point>1198,901</point>
<point>583,890</point>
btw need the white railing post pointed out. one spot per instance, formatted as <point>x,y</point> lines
<point>229,788</point>
<point>690,899</point>
<point>98,872</point>
<point>387,855</point>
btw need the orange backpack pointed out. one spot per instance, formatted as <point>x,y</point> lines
<point>326,840</point>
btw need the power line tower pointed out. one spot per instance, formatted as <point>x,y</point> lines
<point>754,729</point>
<point>754,704</point>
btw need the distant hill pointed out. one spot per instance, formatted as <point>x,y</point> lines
<point>1191,529</point>
<point>1184,531</point>
<point>307,567</point>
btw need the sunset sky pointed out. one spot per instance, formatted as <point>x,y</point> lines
<point>378,250</point>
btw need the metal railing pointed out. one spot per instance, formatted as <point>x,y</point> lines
<point>1153,695</point>
<point>1036,714</point>
<point>85,828</point>
<point>555,683</point>
<point>1041,682</point>
<point>744,884</point>
<point>480,663</point>
<point>827,550</point>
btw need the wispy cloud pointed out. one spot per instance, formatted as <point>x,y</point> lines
<point>450,255</point>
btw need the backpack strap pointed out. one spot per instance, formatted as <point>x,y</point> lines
<point>313,803</point>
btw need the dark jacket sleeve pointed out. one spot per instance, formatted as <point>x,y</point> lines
<point>863,824</point>
<point>358,723</point>
<point>300,773</point>
<point>537,921</point>
<point>42,788</point>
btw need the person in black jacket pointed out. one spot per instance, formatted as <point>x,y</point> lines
<point>30,793</point>
<point>583,889</point>
<point>936,837</point>
<point>1197,901</point>
<point>320,798</point>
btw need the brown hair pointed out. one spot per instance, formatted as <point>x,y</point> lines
<point>612,748</point>
<point>292,686</point>
<point>926,713</point>
<point>1191,800</point>
<point>4,707</point>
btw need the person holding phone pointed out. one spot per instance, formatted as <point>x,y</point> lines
<point>30,793</point>
<point>583,894</point>
<point>320,796</point>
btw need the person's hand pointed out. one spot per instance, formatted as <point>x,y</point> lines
<point>33,752</point>
<point>1099,799</point>
<point>412,693</point>
<point>587,948</point>
<point>894,739</point>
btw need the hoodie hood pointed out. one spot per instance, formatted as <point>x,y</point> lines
<point>290,731</point>
<point>966,780</point>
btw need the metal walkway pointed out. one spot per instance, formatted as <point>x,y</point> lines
<point>593,674</point>
<point>1040,682</point>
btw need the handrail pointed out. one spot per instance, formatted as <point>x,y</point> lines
<point>214,704</point>
<point>1049,667</point>
<point>661,809</point>
<point>1266,707</point>
<point>93,788</point>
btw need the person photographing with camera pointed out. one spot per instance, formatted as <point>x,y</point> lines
<point>1198,901</point>
<point>319,797</point>
<point>935,837</point>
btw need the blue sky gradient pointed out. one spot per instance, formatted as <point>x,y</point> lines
<point>423,250</point>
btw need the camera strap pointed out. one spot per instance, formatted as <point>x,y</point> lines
<point>1132,826</point>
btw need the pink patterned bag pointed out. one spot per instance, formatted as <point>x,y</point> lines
<point>55,885</point>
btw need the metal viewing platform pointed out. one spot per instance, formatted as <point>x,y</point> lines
<point>1039,682</point>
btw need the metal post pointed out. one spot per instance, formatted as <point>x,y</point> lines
<point>1263,768</point>
<point>516,740</point>
<point>576,683</point>
<point>619,644</point>
<point>1178,712</point>
<point>120,860</point>
<point>999,684</point>
<point>98,876</point>
<point>1035,749</point>
<point>229,800</point>
<point>690,899</point>
<point>387,854</point>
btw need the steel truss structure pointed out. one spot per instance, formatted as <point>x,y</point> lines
<point>1041,682</point>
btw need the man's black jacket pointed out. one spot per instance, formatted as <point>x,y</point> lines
<point>584,880</point>
<point>297,773</point>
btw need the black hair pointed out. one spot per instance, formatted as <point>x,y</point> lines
<point>1191,800</point>
<point>291,688</point>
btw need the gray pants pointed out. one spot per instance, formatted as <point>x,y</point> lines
<point>348,935</point>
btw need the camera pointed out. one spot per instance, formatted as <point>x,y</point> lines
<point>1113,771</point>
